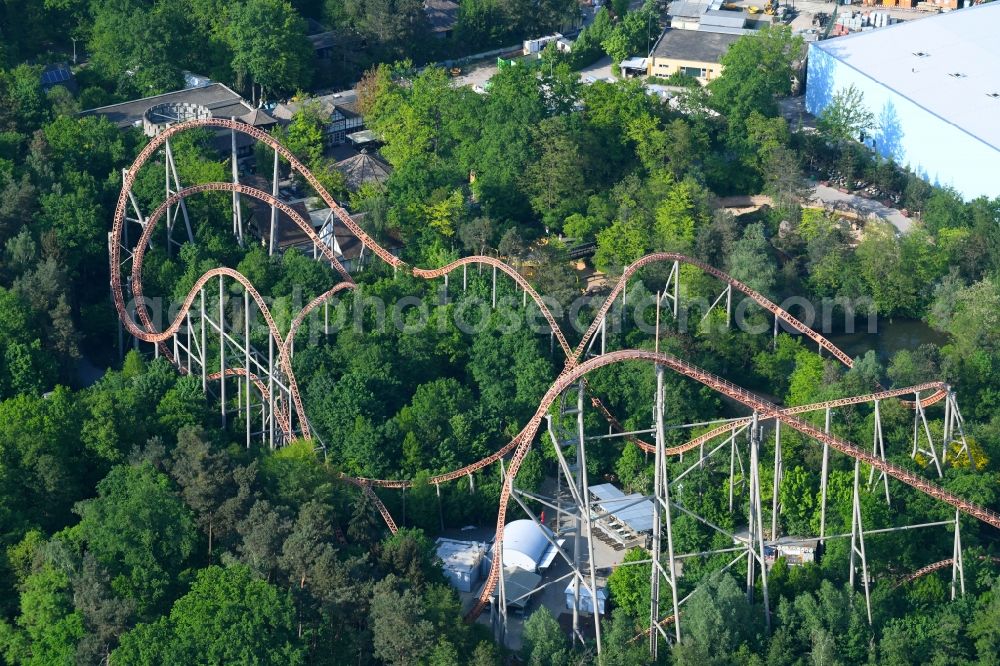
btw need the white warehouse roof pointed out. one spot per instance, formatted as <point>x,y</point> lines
<point>946,64</point>
<point>525,546</point>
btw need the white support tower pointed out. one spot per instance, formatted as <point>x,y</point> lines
<point>957,568</point>
<point>661,519</point>
<point>755,532</point>
<point>920,419</point>
<point>878,450</point>
<point>858,541</point>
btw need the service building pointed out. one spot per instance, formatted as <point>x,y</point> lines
<point>691,52</point>
<point>461,562</point>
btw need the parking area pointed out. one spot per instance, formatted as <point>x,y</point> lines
<point>600,70</point>
<point>804,12</point>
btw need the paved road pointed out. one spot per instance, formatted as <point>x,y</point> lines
<point>599,70</point>
<point>826,196</point>
<point>477,75</point>
<point>829,195</point>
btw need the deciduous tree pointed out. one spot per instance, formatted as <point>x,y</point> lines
<point>229,616</point>
<point>269,44</point>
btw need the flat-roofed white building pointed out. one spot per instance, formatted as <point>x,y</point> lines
<point>461,562</point>
<point>934,87</point>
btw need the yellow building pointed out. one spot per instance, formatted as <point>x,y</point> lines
<point>695,53</point>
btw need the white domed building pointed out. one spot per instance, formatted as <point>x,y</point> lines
<point>525,546</point>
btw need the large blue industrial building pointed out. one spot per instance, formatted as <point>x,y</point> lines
<point>934,87</point>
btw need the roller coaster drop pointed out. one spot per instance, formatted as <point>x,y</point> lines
<point>270,402</point>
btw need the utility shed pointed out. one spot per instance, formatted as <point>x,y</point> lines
<point>460,561</point>
<point>934,87</point>
<point>586,599</point>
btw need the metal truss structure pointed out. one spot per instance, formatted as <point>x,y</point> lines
<point>210,336</point>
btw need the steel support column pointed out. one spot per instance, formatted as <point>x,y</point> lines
<point>858,541</point>
<point>920,418</point>
<point>878,450</point>
<point>222,352</point>
<point>270,389</point>
<point>953,423</point>
<point>677,287</point>
<point>581,452</point>
<point>734,458</point>
<point>501,586</point>
<point>778,473</point>
<point>957,568</point>
<point>237,212</point>
<point>246,357</point>
<point>204,349</point>
<point>824,476</point>
<point>661,514</point>
<point>273,234</point>
<point>755,532</point>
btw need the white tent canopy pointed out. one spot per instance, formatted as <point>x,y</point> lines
<point>633,510</point>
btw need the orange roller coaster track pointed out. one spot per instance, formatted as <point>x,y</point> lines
<point>573,371</point>
<point>937,566</point>
<point>759,405</point>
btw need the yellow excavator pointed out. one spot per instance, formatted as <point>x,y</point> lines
<point>771,8</point>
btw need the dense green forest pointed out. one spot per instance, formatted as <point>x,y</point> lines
<point>136,530</point>
<point>137,48</point>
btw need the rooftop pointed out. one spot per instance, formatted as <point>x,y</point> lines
<point>798,542</point>
<point>258,118</point>
<point>519,585</point>
<point>217,98</point>
<point>323,40</point>
<point>687,8</point>
<point>361,169</point>
<point>460,555</point>
<point>442,15</point>
<point>634,63</point>
<point>693,45</point>
<point>722,17</point>
<point>946,64</point>
<point>345,102</point>
<point>602,592</point>
<point>56,74</point>
<point>362,137</point>
<point>525,545</point>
